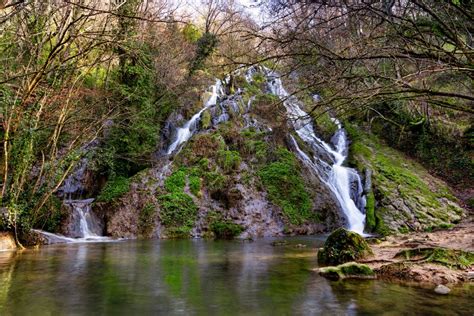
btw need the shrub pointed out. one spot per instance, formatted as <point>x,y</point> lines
<point>226,229</point>
<point>178,212</point>
<point>114,189</point>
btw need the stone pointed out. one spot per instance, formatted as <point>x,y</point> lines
<point>349,270</point>
<point>442,289</point>
<point>7,242</point>
<point>343,246</point>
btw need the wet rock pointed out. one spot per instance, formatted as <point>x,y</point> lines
<point>7,242</point>
<point>349,270</point>
<point>442,289</point>
<point>278,243</point>
<point>343,246</point>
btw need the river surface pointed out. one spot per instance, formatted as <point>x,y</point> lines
<point>200,277</point>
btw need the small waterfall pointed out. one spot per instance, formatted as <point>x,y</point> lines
<point>83,225</point>
<point>338,178</point>
<point>184,133</point>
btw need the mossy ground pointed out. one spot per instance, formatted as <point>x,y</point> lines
<point>406,197</point>
<point>451,258</point>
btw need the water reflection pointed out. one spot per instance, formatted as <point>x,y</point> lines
<point>182,277</point>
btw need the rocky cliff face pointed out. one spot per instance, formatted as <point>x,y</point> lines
<point>236,176</point>
<point>404,196</point>
<point>235,173</point>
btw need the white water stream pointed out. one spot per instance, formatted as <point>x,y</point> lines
<point>338,178</point>
<point>184,133</point>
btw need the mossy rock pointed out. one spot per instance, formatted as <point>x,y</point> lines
<point>349,270</point>
<point>343,246</point>
<point>226,229</point>
<point>451,258</point>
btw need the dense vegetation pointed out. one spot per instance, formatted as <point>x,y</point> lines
<point>95,81</point>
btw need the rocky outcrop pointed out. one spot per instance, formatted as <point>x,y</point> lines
<point>404,196</point>
<point>343,246</point>
<point>7,241</point>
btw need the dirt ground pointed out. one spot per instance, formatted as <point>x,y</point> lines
<point>388,266</point>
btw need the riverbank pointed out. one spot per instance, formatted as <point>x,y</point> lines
<point>438,257</point>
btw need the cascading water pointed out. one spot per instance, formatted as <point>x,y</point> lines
<point>83,225</point>
<point>184,133</point>
<point>338,178</point>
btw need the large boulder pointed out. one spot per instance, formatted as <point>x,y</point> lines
<point>343,246</point>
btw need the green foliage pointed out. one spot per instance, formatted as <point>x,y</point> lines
<point>114,189</point>
<point>146,220</point>
<point>206,45</point>
<point>286,188</point>
<point>177,213</point>
<point>53,214</point>
<point>191,33</point>
<point>134,135</point>
<point>226,229</point>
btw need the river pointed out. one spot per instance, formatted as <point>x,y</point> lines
<point>199,277</point>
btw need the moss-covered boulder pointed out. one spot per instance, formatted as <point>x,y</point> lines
<point>349,270</point>
<point>343,246</point>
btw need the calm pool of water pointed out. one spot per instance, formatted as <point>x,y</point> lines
<point>199,277</point>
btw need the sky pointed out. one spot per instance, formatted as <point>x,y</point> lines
<point>249,6</point>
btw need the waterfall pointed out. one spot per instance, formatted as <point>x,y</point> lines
<point>184,133</point>
<point>338,178</point>
<point>83,224</point>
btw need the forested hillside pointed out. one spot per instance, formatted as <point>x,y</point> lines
<point>107,101</point>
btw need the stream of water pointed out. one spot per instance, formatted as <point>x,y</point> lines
<point>200,277</point>
<point>344,182</point>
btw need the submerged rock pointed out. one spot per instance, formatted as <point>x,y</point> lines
<point>343,246</point>
<point>349,270</point>
<point>442,289</point>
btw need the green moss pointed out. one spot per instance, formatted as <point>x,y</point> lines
<point>226,229</point>
<point>176,181</point>
<point>114,189</point>
<point>286,188</point>
<point>146,220</point>
<point>195,185</point>
<point>206,120</point>
<point>215,180</point>
<point>370,211</point>
<point>325,125</point>
<point>343,246</point>
<point>229,160</point>
<point>403,230</point>
<point>177,213</point>
<point>397,180</point>
<point>350,270</point>
<point>456,259</point>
